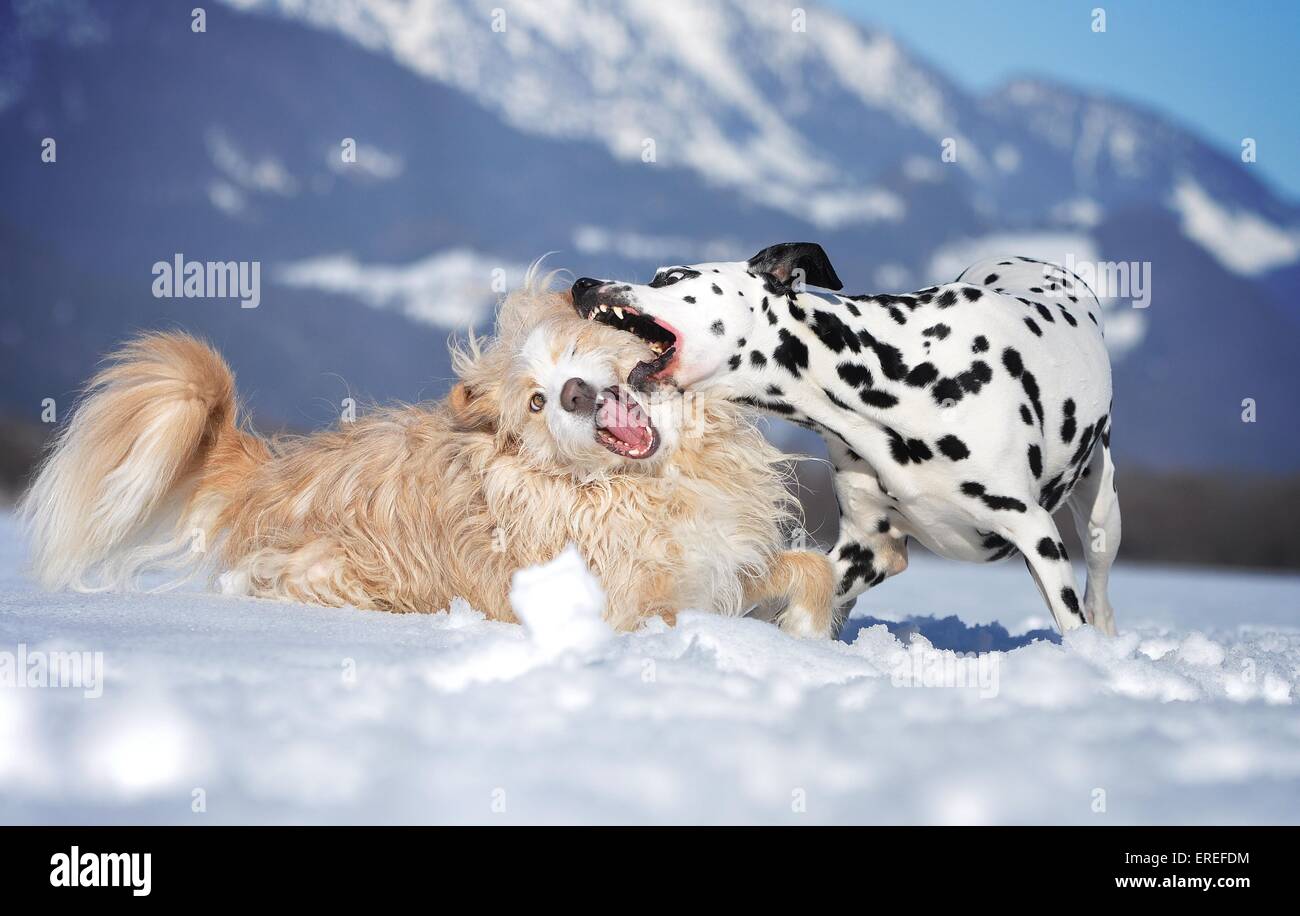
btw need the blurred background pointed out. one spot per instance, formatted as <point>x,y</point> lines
<point>909,139</point>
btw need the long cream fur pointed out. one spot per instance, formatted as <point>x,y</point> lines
<point>408,507</point>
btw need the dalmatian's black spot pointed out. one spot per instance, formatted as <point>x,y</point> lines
<point>953,448</point>
<point>905,451</point>
<point>977,376</point>
<point>1068,425</point>
<point>1045,313</point>
<point>834,333</point>
<point>947,391</point>
<point>898,316</point>
<point>853,309</point>
<point>1069,319</point>
<point>771,318</point>
<point>883,526</point>
<point>740,344</point>
<point>1026,416</point>
<point>1035,461</point>
<point>922,374</point>
<point>980,344</point>
<point>889,356</point>
<point>775,391</point>
<point>1071,601</point>
<point>1012,362</point>
<point>690,299</point>
<point>860,561</point>
<point>1007,503</point>
<point>734,362</point>
<point>1033,326</point>
<point>946,299</point>
<point>990,279</point>
<point>757,360</point>
<point>972,293</point>
<point>1050,496</point>
<point>1060,548</point>
<point>1002,553</point>
<point>780,407</point>
<point>1047,549</point>
<point>791,353</point>
<point>717,329</point>
<point>874,397</point>
<point>855,374</point>
<point>717,289</point>
<point>796,313</point>
<point>1086,441</point>
<point>939,331</point>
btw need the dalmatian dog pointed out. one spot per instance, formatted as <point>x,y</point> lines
<point>961,415</point>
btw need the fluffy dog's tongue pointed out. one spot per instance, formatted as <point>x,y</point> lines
<point>625,420</point>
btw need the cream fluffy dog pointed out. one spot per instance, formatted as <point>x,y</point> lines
<point>674,501</point>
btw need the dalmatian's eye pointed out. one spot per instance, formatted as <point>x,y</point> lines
<point>669,277</point>
<point>537,402</point>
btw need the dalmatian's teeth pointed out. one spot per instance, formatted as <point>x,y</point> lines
<point>619,312</point>
<point>604,308</point>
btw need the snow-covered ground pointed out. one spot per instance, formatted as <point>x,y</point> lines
<point>253,711</point>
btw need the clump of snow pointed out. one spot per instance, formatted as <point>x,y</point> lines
<point>561,604</point>
<point>942,704</point>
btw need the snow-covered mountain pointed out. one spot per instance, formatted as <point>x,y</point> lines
<point>621,135</point>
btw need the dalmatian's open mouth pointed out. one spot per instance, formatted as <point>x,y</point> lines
<point>659,336</point>
<point>623,426</point>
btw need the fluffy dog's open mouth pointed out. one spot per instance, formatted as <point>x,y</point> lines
<point>661,338</point>
<point>623,426</point>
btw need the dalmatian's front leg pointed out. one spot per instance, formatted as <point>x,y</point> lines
<point>869,549</point>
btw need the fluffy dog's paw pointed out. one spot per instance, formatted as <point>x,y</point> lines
<point>802,623</point>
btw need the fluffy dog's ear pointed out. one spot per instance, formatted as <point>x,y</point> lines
<point>470,409</point>
<point>781,261</point>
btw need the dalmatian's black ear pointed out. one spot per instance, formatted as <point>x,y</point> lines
<point>781,261</point>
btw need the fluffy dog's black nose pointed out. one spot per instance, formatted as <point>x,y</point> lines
<point>577,396</point>
<point>582,284</point>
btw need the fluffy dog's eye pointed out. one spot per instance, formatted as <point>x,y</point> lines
<point>537,402</point>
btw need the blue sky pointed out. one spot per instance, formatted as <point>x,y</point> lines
<point>1228,70</point>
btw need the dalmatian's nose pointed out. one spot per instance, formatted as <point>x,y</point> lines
<point>583,284</point>
<point>577,396</point>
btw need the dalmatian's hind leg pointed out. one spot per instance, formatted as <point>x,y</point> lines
<point>1095,507</point>
<point>1038,539</point>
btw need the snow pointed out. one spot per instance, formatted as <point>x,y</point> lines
<point>696,78</point>
<point>1238,239</point>
<point>217,709</point>
<point>456,288</point>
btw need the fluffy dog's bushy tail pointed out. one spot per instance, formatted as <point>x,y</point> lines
<point>141,473</point>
